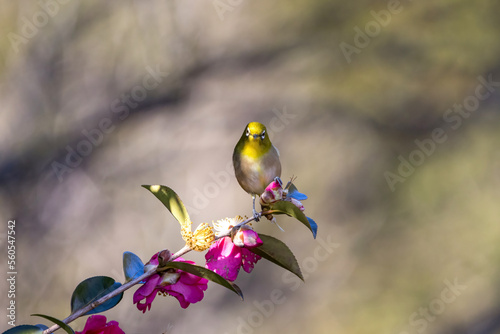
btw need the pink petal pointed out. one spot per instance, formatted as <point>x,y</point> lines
<point>191,279</point>
<point>251,239</point>
<point>147,304</point>
<point>147,291</point>
<point>191,293</point>
<point>154,259</point>
<point>147,288</point>
<point>112,327</point>
<point>180,298</point>
<point>224,258</point>
<point>273,186</point>
<point>226,247</point>
<point>94,322</point>
<point>187,289</point>
<point>248,260</point>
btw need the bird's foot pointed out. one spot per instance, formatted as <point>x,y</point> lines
<point>256,215</point>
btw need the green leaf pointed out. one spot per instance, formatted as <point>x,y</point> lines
<point>205,273</point>
<point>41,326</point>
<point>171,200</point>
<point>24,329</point>
<point>61,324</point>
<point>285,207</point>
<point>91,290</point>
<point>132,266</point>
<point>277,252</point>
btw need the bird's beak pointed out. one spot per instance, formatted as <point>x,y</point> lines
<point>255,136</point>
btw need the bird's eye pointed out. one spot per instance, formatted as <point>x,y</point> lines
<point>263,134</point>
<point>248,132</point>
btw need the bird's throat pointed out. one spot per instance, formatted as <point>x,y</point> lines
<point>255,150</point>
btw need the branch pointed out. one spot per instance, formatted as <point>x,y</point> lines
<point>102,300</point>
<point>152,271</point>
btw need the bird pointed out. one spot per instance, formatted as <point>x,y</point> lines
<point>256,161</point>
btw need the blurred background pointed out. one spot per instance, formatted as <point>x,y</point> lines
<point>386,111</point>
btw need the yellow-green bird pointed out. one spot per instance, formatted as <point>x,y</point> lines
<point>256,161</point>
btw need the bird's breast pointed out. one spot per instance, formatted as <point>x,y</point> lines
<point>255,174</point>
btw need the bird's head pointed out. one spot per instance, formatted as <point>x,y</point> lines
<point>256,131</point>
<point>254,141</point>
<point>256,135</point>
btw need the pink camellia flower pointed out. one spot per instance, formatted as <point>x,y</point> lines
<point>96,324</point>
<point>226,256</point>
<point>226,259</point>
<point>186,287</point>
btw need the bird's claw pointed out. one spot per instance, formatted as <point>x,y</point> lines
<point>256,215</point>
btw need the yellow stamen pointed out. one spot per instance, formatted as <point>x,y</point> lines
<point>201,239</point>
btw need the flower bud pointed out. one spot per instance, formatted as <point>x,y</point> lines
<point>298,204</point>
<point>246,237</point>
<point>163,257</point>
<point>273,193</point>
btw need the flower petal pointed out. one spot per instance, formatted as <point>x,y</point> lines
<point>94,322</point>
<point>224,258</point>
<point>191,293</point>
<point>248,259</point>
<point>251,239</point>
<point>184,303</point>
<point>147,288</point>
<point>146,306</point>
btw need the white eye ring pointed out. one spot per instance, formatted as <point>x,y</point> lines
<point>248,132</point>
<point>263,134</point>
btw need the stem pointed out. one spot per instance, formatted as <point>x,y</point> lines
<point>128,285</point>
<point>180,252</point>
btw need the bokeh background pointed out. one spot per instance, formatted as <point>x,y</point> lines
<point>165,89</point>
